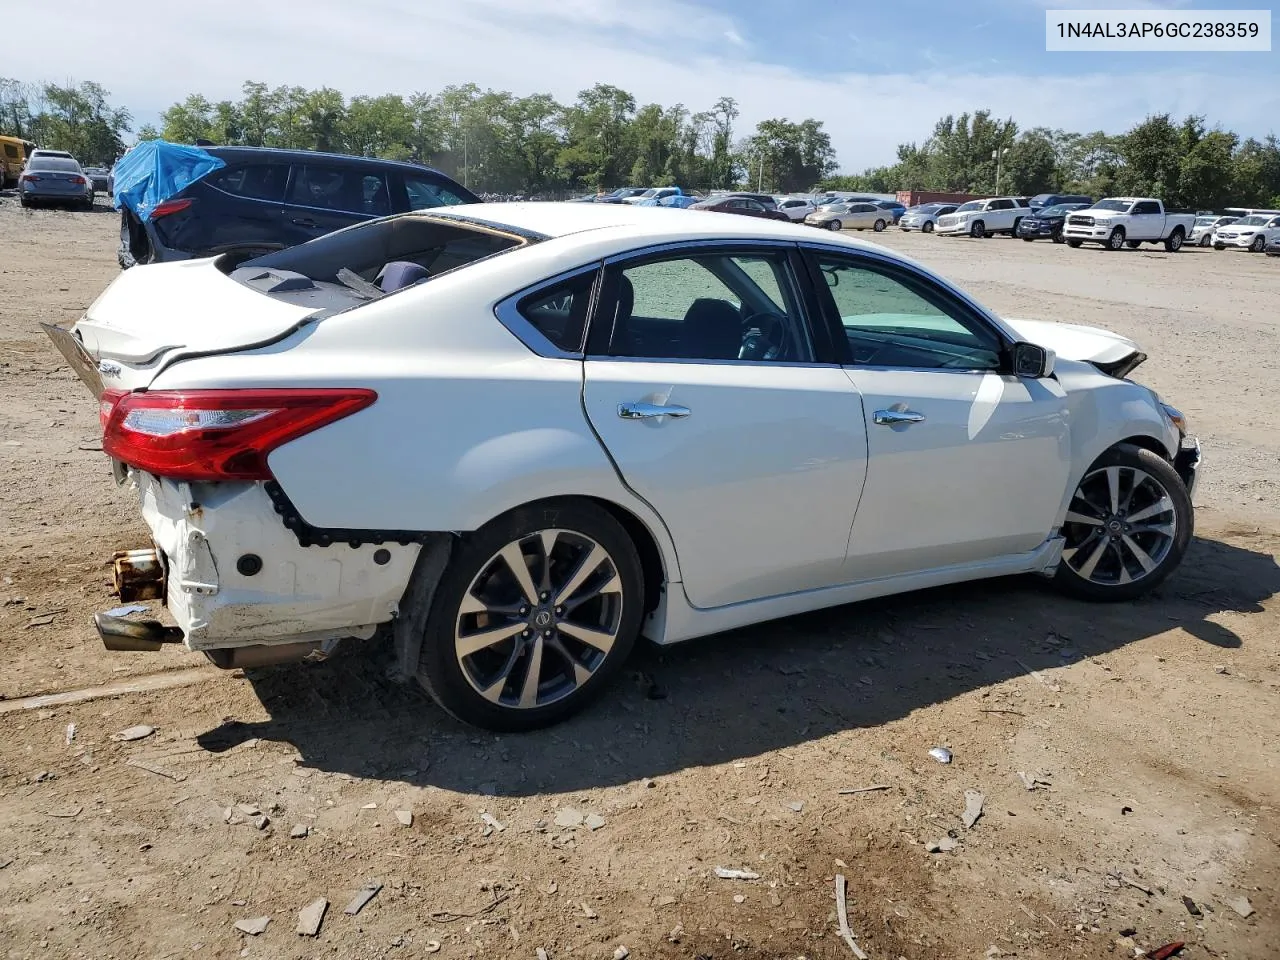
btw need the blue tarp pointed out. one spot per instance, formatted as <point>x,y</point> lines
<point>155,170</point>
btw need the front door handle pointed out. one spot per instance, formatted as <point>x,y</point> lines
<point>890,418</point>
<point>647,411</point>
<point>303,222</point>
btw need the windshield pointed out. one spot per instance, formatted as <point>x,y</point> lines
<point>1118,205</point>
<point>54,163</point>
<point>1253,220</point>
<point>1058,209</point>
<point>1206,221</point>
<point>971,205</point>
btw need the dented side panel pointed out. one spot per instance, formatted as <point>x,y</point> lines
<point>298,593</point>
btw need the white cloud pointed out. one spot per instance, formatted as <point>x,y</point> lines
<point>670,51</point>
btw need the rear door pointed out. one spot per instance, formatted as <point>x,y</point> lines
<point>324,197</point>
<point>722,410</point>
<point>242,203</point>
<point>966,463</point>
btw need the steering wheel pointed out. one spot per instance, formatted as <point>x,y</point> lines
<point>764,336</point>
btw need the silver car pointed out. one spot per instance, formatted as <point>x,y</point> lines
<point>923,216</point>
<point>55,179</point>
<point>850,216</point>
<point>1202,232</point>
<point>797,208</point>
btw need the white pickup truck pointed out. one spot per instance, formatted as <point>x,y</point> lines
<point>984,218</point>
<point>1117,222</point>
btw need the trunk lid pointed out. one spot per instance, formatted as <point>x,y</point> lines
<point>152,315</point>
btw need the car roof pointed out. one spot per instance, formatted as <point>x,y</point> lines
<point>231,154</point>
<point>647,224</point>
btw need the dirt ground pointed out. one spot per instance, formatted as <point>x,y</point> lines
<point>1148,731</point>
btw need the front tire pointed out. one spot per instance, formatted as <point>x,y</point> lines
<point>978,230</point>
<point>1127,526</point>
<point>1073,244</point>
<point>928,227</point>
<point>1206,241</point>
<point>534,615</point>
<point>1259,244</point>
<point>835,225</point>
<point>1057,236</point>
<point>1116,241</point>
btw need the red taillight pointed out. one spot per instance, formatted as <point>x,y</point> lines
<point>210,435</point>
<point>30,177</point>
<point>166,207</point>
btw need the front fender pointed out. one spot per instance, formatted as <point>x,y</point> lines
<point>1105,411</point>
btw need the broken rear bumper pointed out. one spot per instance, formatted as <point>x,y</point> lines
<point>238,577</point>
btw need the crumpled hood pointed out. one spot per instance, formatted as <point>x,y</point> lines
<point>1075,342</point>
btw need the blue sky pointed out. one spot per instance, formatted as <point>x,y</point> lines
<point>877,73</point>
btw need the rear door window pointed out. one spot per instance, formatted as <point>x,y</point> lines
<point>253,181</point>
<point>328,187</point>
<point>11,151</point>
<point>426,191</point>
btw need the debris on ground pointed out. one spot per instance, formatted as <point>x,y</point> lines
<point>945,845</point>
<point>796,806</point>
<point>66,813</point>
<point>489,820</point>
<point>1242,906</point>
<point>405,817</point>
<point>1032,782</point>
<point>850,791</point>
<point>254,926</point>
<point>140,732</point>
<point>593,821</point>
<point>842,914</point>
<point>725,873</point>
<point>158,771</point>
<point>1191,907</point>
<point>621,953</point>
<point>941,754</point>
<point>299,831</point>
<point>973,801</point>
<point>311,916</point>
<point>542,954</point>
<point>261,821</point>
<point>369,806</point>
<point>432,946</point>
<point>1039,676</point>
<point>248,809</point>
<point>1168,950</point>
<point>588,912</point>
<point>568,817</point>
<point>1221,668</point>
<point>1132,883</point>
<point>362,897</point>
<point>126,610</point>
<point>43,621</point>
<point>70,733</point>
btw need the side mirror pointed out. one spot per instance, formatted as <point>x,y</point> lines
<point>1032,361</point>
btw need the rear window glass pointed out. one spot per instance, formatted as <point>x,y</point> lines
<point>10,150</point>
<point>54,164</point>
<point>255,181</point>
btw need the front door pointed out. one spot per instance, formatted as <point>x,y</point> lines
<point>705,384</point>
<point>965,462</point>
<point>1146,222</point>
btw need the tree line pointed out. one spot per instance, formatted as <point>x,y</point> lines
<point>497,142</point>
<point>1183,163</point>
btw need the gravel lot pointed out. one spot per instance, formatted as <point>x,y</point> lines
<point>1148,731</point>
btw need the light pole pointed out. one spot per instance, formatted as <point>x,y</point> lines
<point>998,156</point>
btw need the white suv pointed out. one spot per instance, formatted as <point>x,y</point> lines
<point>982,218</point>
<point>1248,233</point>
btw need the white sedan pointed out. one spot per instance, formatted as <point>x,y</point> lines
<point>524,435</point>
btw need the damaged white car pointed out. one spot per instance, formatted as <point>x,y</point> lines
<point>524,435</point>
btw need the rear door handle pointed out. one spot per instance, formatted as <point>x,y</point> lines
<point>647,411</point>
<point>890,418</point>
<point>303,222</point>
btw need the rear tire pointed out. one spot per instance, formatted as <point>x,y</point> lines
<point>879,226</point>
<point>125,254</point>
<point>1133,244</point>
<point>1014,231</point>
<point>1028,239</point>
<point>481,593</point>
<point>1127,528</point>
<point>1174,242</point>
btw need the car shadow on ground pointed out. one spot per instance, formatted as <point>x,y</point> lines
<point>742,693</point>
